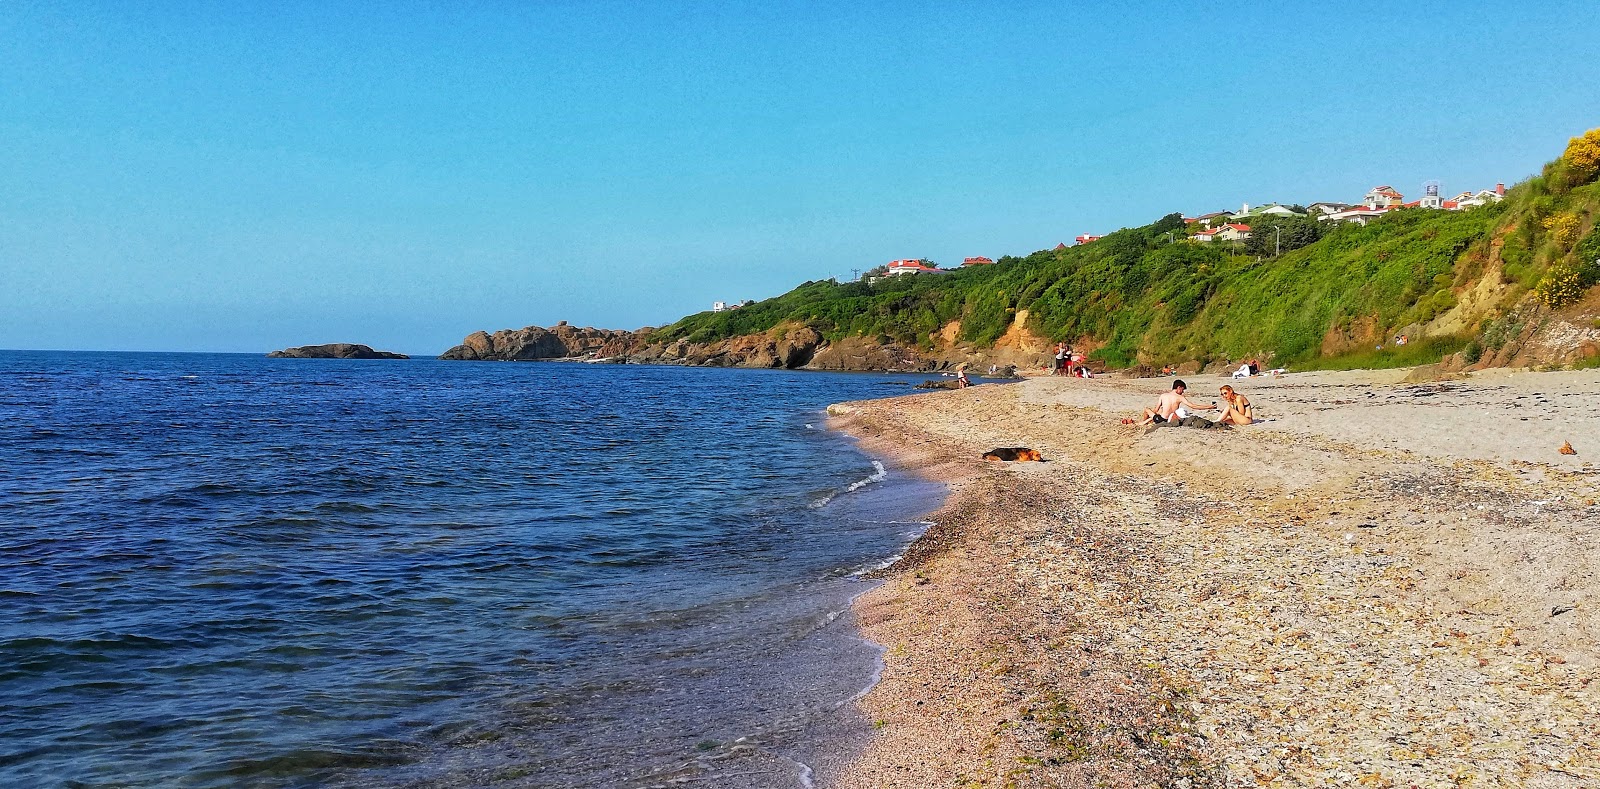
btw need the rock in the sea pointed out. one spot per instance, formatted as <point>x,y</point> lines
<point>334,350</point>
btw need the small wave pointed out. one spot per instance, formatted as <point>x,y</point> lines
<point>879,474</point>
<point>876,566</point>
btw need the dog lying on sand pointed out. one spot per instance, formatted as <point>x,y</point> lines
<point>1013,453</point>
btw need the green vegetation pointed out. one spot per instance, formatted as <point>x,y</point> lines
<point>1148,294</point>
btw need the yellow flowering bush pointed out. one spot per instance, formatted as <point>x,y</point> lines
<point>1563,228</point>
<point>1560,287</point>
<point>1583,153</point>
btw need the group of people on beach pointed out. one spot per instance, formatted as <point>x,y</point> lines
<point>1175,408</point>
<point>1070,362</point>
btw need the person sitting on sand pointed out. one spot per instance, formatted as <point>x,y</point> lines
<point>1238,410</point>
<point>1167,407</point>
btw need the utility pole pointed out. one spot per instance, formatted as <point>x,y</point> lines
<point>855,275</point>
<point>1278,247</point>
<point>1169,236</point>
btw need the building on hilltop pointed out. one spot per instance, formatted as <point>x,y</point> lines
<point>1233,232</point>
<point>1206,220</point>
<point>1383,197</point>
<point>1359,214</point>
<point>977,261</point>
<point>1087,239</point>
<point>1320,210</point>
<point>1431,199</point>
<point>1206,236</point>
<point>1481,197</point>
<point>910,266</point>
<point>719,306</point>
<point>1270,209</point>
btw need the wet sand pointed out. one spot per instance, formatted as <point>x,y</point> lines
<point>1385,584</point>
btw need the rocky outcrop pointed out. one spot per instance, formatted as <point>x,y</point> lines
<point>334,350</point>
<point>787,346</point>
<point>560,341</point>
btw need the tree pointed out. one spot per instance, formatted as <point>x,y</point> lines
<point>1267,240</point>
<point>1170,222</point>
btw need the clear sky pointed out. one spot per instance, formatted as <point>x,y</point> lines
<point>247,176</point>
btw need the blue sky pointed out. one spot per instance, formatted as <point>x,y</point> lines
<point>227,177</point>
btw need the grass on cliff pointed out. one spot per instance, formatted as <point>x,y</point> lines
<point>1140,296</point>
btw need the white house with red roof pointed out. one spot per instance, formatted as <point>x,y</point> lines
<point>977,261</point>
<point>1206,235</point>
<point>1086,239</point>
<point>1233,232</point>
<point>910,266</point>
<point>1359,214</point>
<point>1481,197</point>
<point>1207,220</point>
<point>1383,197</point>
<point>1320,210</point>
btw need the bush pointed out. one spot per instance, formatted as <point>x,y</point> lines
<point>1500,331</point>
<point>1588,250</point>
<point>1562,227</point>
<point>1583,155</point>
<point>1560,287</point>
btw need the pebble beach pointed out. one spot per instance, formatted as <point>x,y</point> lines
<point>1383,583</point>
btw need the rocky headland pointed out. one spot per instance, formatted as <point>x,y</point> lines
<point>535,343</point>
<point>791,345</point>
<point>334,350</point>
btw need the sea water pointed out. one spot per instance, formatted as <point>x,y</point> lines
<point>226,570</point>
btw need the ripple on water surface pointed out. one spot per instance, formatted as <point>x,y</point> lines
<point>228,570</point>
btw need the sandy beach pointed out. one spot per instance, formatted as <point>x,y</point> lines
<point>1382,584</point>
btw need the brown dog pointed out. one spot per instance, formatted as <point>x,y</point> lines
<point>1013,453</point>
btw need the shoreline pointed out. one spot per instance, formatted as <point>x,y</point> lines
<point>1357,592</point>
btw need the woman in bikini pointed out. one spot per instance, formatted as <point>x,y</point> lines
<point>1238,411</point>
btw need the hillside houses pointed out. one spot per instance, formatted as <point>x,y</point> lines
<point>1383,199</point>
<point>1379,200</point>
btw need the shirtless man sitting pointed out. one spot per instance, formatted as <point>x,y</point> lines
<point>1167,407</point>
<point>1238,410</point>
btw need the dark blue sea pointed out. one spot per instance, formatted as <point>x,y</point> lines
<point>226,570</point>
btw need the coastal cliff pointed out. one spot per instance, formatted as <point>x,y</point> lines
<point>334,350</point>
